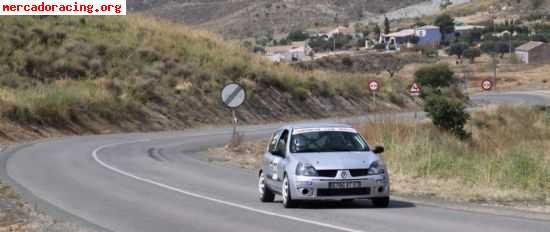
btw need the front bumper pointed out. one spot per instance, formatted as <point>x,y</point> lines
<point>317,188</point>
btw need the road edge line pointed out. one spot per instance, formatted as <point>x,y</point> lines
<point>181,191</point>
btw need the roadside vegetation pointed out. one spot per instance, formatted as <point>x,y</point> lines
<point>506,161</point>
<point>18,216</point>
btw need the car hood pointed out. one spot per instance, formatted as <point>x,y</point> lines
<point>338,160</point>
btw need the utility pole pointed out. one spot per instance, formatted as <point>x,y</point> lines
<point>492,11</point>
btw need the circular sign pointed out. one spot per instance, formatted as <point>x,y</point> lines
<point>374,85</point>
<point>486,85</point>
<point>233,95</point>
<point>415,89</point>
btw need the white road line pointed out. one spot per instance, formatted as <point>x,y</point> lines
<point>165,186</point>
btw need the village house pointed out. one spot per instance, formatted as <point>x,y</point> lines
<point>428,36</point>
<point>534,53</point>
<point>341,30</point>
<point>459,30</point>
<point>296,51</point>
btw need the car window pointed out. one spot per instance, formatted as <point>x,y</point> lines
<point>283,140</point>
<point>274,140</point>
<point>327,141</point>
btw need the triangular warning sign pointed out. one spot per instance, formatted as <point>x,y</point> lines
<point>415,89</point>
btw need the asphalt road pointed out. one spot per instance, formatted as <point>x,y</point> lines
<point>157,182</point>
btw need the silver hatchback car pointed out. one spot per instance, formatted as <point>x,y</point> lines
<point>322,162</point>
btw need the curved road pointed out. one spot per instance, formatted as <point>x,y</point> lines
<point>158,182</point>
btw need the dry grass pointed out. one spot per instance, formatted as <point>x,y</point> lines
<point>507,161</point>
<point>18,216</point>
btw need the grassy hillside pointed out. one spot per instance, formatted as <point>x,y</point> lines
<point>89,74</point>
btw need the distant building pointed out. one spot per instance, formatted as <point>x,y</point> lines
<point>534,53</point>
<point>428,36</point>
<point>459,30</point>
<point>297,51</point>
<point>341,30</point>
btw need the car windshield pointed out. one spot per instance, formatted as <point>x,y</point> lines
<point>327,141</point>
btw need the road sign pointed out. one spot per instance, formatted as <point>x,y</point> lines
<point>486,85</point>
<point>374,85</point>
<point>415,89</point>
<point>233,95</point>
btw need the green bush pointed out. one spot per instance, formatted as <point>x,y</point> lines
<point>447,113</point>
<point>435,76</point>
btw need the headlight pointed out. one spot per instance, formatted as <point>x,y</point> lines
<point>305,170</point>
<point>377,168</point>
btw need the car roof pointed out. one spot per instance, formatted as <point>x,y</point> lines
<point>317,125</point>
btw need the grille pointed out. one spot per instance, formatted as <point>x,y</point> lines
<point>342,192</point>
<point>327,173</point>
<point>359,172</point>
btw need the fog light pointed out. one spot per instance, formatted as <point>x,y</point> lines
<point>305,191</point>
<point>380,189</point>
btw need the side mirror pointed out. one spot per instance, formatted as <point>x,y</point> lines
<point>378,149</point>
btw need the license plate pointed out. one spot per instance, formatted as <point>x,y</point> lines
<point>344,185</point>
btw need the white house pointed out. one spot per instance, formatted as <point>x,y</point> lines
<point>297,51</point>
<point>429,36</point>
<point>459,30</point>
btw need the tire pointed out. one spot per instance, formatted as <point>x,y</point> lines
<point>287,198</point>
<point>381,202</point>
<point>266,195</point>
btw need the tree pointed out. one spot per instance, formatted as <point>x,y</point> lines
<point>457,49</point>
<point>391,64</point>
<point>488,47</point>
<point>387,28</point>
<point>435,76</point>
<point>446,25</point>
<point>297,36</point>
<point>377,31</point>
<point>447,113</point>
<point>502,47</point>
<point>472,54</point>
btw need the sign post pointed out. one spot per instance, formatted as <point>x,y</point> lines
<point>415,91</point>
<point>233,96</point>
<point>374,87</point>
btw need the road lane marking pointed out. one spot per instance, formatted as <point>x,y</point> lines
<point>178,190</point>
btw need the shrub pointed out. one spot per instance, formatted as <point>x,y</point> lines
<point>457,49</point>
<point>447,113</point>
<point>435,76</point>
<point>472,54</point>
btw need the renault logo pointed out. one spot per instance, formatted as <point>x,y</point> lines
<point>344,174</point>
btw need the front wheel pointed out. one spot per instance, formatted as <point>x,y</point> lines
<point>266,195</point>
<point>287,198</point>
<point>381,202</point>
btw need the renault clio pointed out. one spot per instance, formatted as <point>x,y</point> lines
<point>322,162</point>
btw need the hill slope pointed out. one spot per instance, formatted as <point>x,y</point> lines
<point>74,75</point>
<point>235,18</point>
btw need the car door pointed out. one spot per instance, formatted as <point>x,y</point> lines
<point>267,165</point>
<point>279,160</point>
